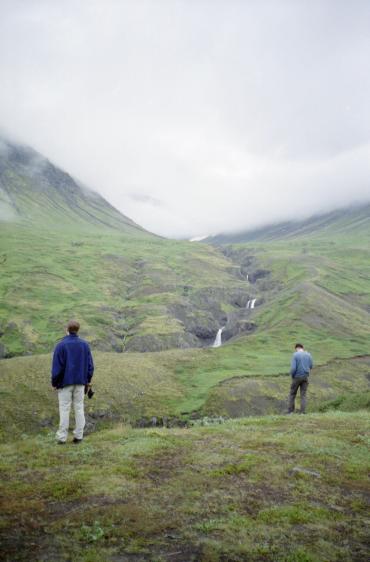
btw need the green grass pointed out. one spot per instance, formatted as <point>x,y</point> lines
<point>232,492</point>
<point>271,488</point>
<point>174,384</point>
<point>122,285</point>
<point>348,402</point>
<point>117,285</point>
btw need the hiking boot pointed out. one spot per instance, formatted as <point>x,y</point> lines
<point>61,442</point>
<point>75,440</point>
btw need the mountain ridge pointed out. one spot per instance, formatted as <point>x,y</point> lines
<point>32,188</point>
<point>349,217</point>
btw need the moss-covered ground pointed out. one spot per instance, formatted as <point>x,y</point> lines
<point>276,488</point>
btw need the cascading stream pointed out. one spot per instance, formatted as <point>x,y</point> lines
<point>251,304</point>
<point>218,340</point>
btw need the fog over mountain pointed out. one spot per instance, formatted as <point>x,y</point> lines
<point>194,118</point>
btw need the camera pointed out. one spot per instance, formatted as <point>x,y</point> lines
<point>89,391</point>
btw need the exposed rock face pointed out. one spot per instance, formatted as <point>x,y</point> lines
<point>201,324</point>
<point>237,328</point>
<point>241,300</point>
<point>202,316</point>
<point>108,343</point>
<point>247,262</point>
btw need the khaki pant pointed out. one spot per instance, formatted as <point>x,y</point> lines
<point>73,393</point>
<point>302,384</point>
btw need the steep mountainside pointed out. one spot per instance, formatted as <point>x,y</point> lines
<point>33,190</point>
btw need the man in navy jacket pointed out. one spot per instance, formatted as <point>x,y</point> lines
<point>300,368</point>
<point>72,370</point>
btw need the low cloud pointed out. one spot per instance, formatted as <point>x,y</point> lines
<point>195,117</point>
<point>146,199</point>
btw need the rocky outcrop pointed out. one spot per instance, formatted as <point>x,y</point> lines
<point>108,342</point>
<point>203,315</point>
<point>200,323</point>
<point>238,327</point>
<point>249,268</point>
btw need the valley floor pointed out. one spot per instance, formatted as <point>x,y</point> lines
<point>274,488</point>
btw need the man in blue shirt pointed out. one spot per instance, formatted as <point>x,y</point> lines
<point>300,368</point>
<point>72,371</point>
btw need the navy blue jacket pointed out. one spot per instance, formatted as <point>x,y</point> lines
<point>301,364</point>
<point>72,362</point>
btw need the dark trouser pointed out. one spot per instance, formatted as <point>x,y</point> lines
<point>302,383</point>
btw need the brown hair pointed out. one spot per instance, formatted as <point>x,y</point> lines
<point>299,346</point>
<point>73,326</point>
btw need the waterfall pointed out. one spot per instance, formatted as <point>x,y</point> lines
<point>251,303</point>
<point>218,340</point>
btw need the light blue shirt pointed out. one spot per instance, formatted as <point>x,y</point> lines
<point>301,364</point>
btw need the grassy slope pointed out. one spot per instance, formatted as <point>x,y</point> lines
<point>321,296</point>
<point>173,384</point>
<point>117,284</point>
<point>288,489</point>
<point>318,291</point>
<point>67,252</point>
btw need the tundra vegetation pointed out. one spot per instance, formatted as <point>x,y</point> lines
<point>188,456</point>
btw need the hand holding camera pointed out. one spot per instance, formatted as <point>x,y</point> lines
<point>89,391</point>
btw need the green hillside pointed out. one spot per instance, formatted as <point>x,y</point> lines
<point>204,488</point>
<point>136,292</point>
<point>176,387</point>
<point>65,252</point>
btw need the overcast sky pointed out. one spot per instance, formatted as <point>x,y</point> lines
<point>195,116</point>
